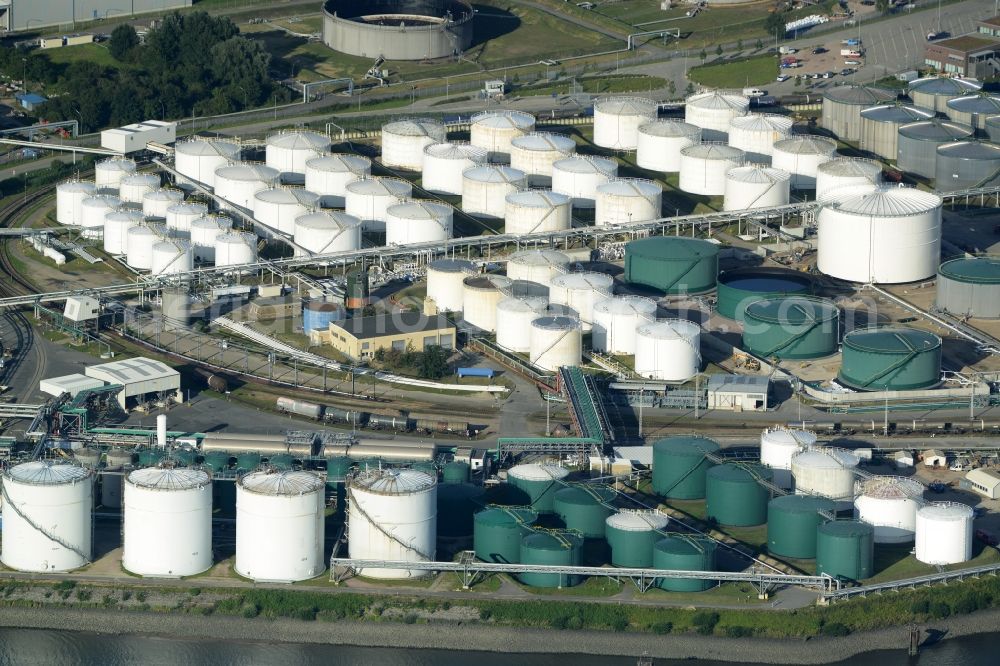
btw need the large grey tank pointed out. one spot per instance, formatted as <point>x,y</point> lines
<point>842,107</point>
<point>970,286</point>
<point>993,128</point>
<point>934,92</point>
<point>973,109</point>
<point>916,151</point>
<point>965,164</point>
<point>880,126</point>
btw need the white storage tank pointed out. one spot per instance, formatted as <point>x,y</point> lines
<point>713,111</point>
<point>235,249</point>
<point>756,133</point>
<point>616,320</point>
<point>485,189</point>
<point>801,155</point>
<point>537,211</point>
<point>617,121</point>
<point>198,159</point>
<point>494,130</point>
<point>660,143</point>
<point>579,292</point>
<point>704,167</point>
<point>109,173</point>
<point>669,349</point>
<point>403,141</point>
<point>418,221</point>
<point>329,175</point>
<point>204,231</point>
<point>328,231</point>
<point>92,212</point>
<point>133,187</point>
<point>238,182</point>
<point>514,317</point>
<point>167,522</point>
<point>845,172</point>
<point>885,235</point>
<point>172,255</point>
<point>368,198</point>
<point>827,472</point>
<point>944,533</point>
<point>889,504</point>
<point>156,203</point>
<point>580,175</point>
<point>444,282</point>
<point>288,151</point>
<point>778,446</point>
<point>538,266</point>
<point>624,201</point>
<point>69,199</point>
<point>556,341</point>
<point>280,526</point>
<point>43,499</point>
<point>444,164</point>
<point>139,245</point>
<point>880,127</point>
<point>116,227</point>
<point>535,153</point>
<point>279,206</point>
<point>756,186</point>
<point>180,215</point>
<point>480,295</point>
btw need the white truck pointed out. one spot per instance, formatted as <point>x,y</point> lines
<point>850,53</point>
<point>787,50</point>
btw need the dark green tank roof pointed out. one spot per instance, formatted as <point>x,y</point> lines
<point>793,310</point>
<point>506,516</point>
<point>676,545</point>
<point>585,495</point>
<point>672,248</point>
<point>846,528</point>
<point>686,445</point>
<point>978,270</point>
<point>740,473</point>
<point>802,504</point>
<point>551,541</point>
<point>892,340</point>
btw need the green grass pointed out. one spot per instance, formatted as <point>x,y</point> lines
<point>736,74</point>
<point>597,84</point>
<point>591,587</point>
<point>95,53</point>
<point>893,562</point>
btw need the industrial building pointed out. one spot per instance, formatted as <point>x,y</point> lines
<point>140,378</point>
<point>968,55</point>
<point>361,337</point>
<point>133,138</point>
<point>16,15</point>
<point>738,393</point>
<point>984,481</point>
<point>398,29</point>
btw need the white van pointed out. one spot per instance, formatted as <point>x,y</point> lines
<point>754,92</point>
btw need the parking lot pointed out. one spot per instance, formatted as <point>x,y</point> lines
<point>827,60</point>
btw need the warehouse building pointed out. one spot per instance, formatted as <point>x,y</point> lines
<point>986,482</point>
<point>142,379</point>
<point>361,337</point>
<point>72,384</point>
<point>34,14</point>
<point>738,393</point>
<point>133,138</point>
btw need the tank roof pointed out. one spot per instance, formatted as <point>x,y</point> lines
<point>551,541</point>
<point>793,310</point>
<point>896,113</point>
<point>299,140</point>
<point>414,127</point>
<point>537,472</point>
<point>944,85</point>
<point>982,103</point>
<point>394,481</point>
<point>669,329</point>
<point>762,122</point>
<point>758,174</point>
<point>684,545</point>
<point>490,282</point>
<point>667,127</point>
<point>740,472</point>
<point>556,322</point>
<point>167,478</point>
<point>946,511</point>
<point>584,280</point>
<point>288,195</point>
<point>626,106</point>
<point>165,194</point>
<point>417,209</point>
<point>708,150</point>
<point>281,483</point>
<point>892,340</point>
<point>826,457</point>
<point>935,129</point>
<point>506,515</point>
<point>686,445</point>
<point>339,163</point>
<point>494,173</point>
<point>675,248</point>
<point>881,201</point>
<point>977,270</point>
<point>46,473</point>
<point>125,214</point>
<point>182,207</point>
<point>626,305</point>
<point>504,119</point>
<point>851,166</point>
<point>456,150</point>
<point>631,187</point>
<point>212,222</point>
<point>538,198</point>
<point>327,220</point>
<point>587,164</point>
<point>859,95</point>
<point>534,304</point>
<point>74,185</point>
<point>102,200</point>
<point>380,186</point>
<point>846,528</point>
<point>247,171</point>
<point>807,144</point>
<point>203,148</point>
<point>453,266</point>
<point>891,487</point>
<point>789,436</point>
<point>539,258</point>
<point>718,99</point>
<point>803,503</point>
<point>637,521</point>
<point>140,178</point>
<point>545,141</point>
<point>586,494</point>
<point>970,150</point>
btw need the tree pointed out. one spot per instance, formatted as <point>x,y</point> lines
<point>881,6</point>
<point>759,45</point>
<point>739,44</point>
<point>123,39</point>
<point>433,363</point>
<point>775,24</point>
<point>703,55</point>
<point>718,50</point>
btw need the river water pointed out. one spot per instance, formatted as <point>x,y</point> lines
<point>65,648</point>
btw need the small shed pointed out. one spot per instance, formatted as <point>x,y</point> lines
<point>934,458</point>
<point>738,393</point>
<point>30,101</point>
<point>984,481</point>
<point>903,459</point>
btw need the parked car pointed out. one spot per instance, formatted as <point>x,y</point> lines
<point>846,72</point>
<point>852,62</point>
<point>829,75</point>
<point>782,78</point>
<point>818,50</point>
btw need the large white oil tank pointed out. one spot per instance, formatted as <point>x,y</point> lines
<point>444,164</point>
<point>238,182</point>
<point>616,320</point>
<point>778,446</point>
<point>756,133</point>
<point>845,172</point>
<point>180,215</point>
<point>555,341</point>
<point>756,186</point>
<point>669,349</point>
<point>167,522</point>
<point>444,282</point>
<point>139,245</point>
<point>801,155</point>
<point>116,227</point>
<point>92,212</point>
<point>617,121</point>
<point>889,504</point>
<point>944,533</point>
<point>156,203</point>
<point>235,249</point>
<point>660,143</point>
<point>47,516</point>
<point>69,199</point>
<point>623,201</point>
<point>328,176</point>
<point>535,153</point>
<point>494,130</point>
<point>328,231</point>
<point>704,167</point>
<point>418,221</point>
<point>579,292</point>
<point>538,266</point>
<point>392,516</point>
<point>537,211</point>
<point>280,526</point>
<point>886,235</point>
<point>197,159</point>
<point>279,206</point>
<point>204,231</point>
<point>514,317</point>
<point>288,151</point>
<point>480,295</point>
<point>403,141</point>
<point>368,198</point>
<point>713,111</point>
<point>485,189</point>
<point>580,175</point>
<point>109,173</point>
<point>133,186</point>
<point>827,472</point>
<point>172,255</point>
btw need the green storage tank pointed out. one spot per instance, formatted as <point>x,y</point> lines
<point>281,461</point>
<point>457,504</point>
<point>150,457</point>
<point>584,508</point>
<point>456,472</point>
<point>680,464</point>
<point>740,287</point>
<point>216,461</point>
<point>684,553</point>
<point>561,549</point>
<point>892,358</point>
<point>735,496</point>
<point>248,461</point>
<point>793,327</point>
<point>845,549</point>
<point>792,522</point>
<point>631,535</point>
<point>538,483</point>
<point>672,264</point>
<point>497,533</point>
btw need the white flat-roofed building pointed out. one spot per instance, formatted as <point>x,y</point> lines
<point>140,377</point>
<point>738,393</point>
<point>133,138</point>
<point>984,481</point>
<point>72,384</point>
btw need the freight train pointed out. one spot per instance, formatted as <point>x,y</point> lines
<point>360,419</point>
<point>909,426</point>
